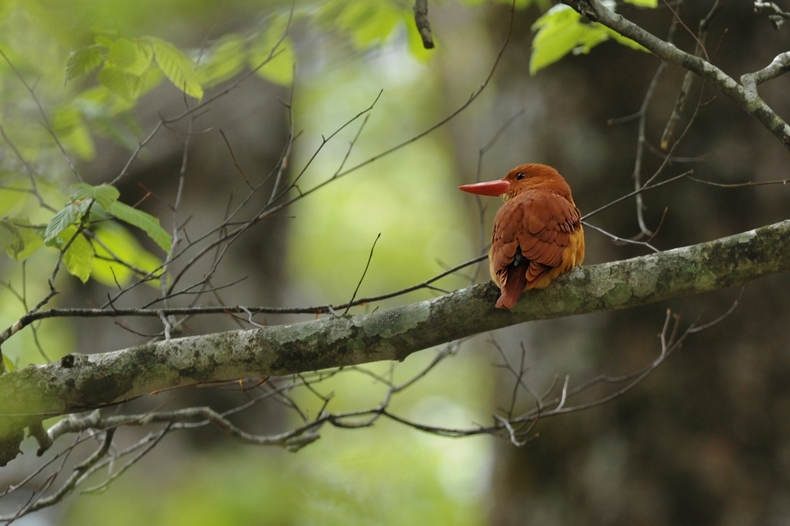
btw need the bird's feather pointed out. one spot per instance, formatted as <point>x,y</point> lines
<point>539,223</point>
<point>538,233</point>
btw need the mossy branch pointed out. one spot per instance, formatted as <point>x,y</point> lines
<point>744,94</point>
<point>80,382</point>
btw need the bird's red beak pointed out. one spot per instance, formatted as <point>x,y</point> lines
<point>493,188</point>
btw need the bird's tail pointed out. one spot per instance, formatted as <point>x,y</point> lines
<point>512,286</point>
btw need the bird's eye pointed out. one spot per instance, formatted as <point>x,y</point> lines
<point>520,176</point>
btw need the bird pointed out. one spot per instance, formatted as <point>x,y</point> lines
<point>538,234</point>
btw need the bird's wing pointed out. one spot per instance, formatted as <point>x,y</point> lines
<point>538,224</point>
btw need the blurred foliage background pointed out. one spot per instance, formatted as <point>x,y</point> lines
<point>703,441</point>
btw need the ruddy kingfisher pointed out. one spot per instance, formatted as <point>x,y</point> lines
<point>538,234</point>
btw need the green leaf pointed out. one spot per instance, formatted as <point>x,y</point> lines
<point>13,194</point>
<point>8,364</point>
<point>560,31</point>
<point>79,256</point>
<point>125,247</point>
<point>224,60</point>
<point>120,243</point>
<point>83,61</point>
<point>278,55</point>
<point>19,239</point>
<point>368,22</point>
<point>103,41</point>
<point>10,238</point>
<point>31,238</point>
<point>518,4</point>
<point>644,3</point>
<point>150,79</point>
<point>145,222</point>
<point>104,194</point>
<point>81,142</point>
<point>416,47</point>
<point>373,22</point>
<point>130,57</point>
<point>68,123</point>
<point>62,220</point>
<point>80,200</point>
<point>177,66</point>
<point>115,80</point>
<point>65,118</point>
<point>626,41</point>
<point>148,262</point>
<point>356,14</point>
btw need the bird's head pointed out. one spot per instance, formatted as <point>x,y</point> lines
<point>519,179</point>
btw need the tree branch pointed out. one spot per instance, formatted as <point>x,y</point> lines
<point>79,382</point>
<point>746,97</point>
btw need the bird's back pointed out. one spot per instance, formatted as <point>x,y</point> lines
<point>537,237</point>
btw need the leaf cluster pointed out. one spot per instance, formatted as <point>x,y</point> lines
<point>90,209</point>
<point>562,31</point>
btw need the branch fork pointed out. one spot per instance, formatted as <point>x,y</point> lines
<point>744,96</point>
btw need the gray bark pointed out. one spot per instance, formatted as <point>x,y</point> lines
<point>80,382</point>
<point>745,94</point>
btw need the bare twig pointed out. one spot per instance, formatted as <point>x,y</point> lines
<point>776,16</point>
<point>364,272</point>
<point>642,139</point>
<point>743,97</point>
<point>680,102</point>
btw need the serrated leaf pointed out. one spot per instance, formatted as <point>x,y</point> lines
<point>130,57</point>
<point>145,222</point>
<point>64,218</point>
<point>83,61</point>
<point>560,31</point>
<point>80,200</point>
<point>104,194</point>
<point>177,67</point>
<point>79,256</point>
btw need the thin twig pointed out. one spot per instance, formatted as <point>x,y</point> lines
<point>364,273</point>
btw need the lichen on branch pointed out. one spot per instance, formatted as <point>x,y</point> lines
<point>79,382</point>
<point>747,99</point>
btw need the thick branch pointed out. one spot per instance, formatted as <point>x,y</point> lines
<point>78,382</point>
<point>423,25</point>
<point>778,67</point>
<point>748,99</point>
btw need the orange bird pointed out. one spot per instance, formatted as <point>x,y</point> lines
<point>538,234</point>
